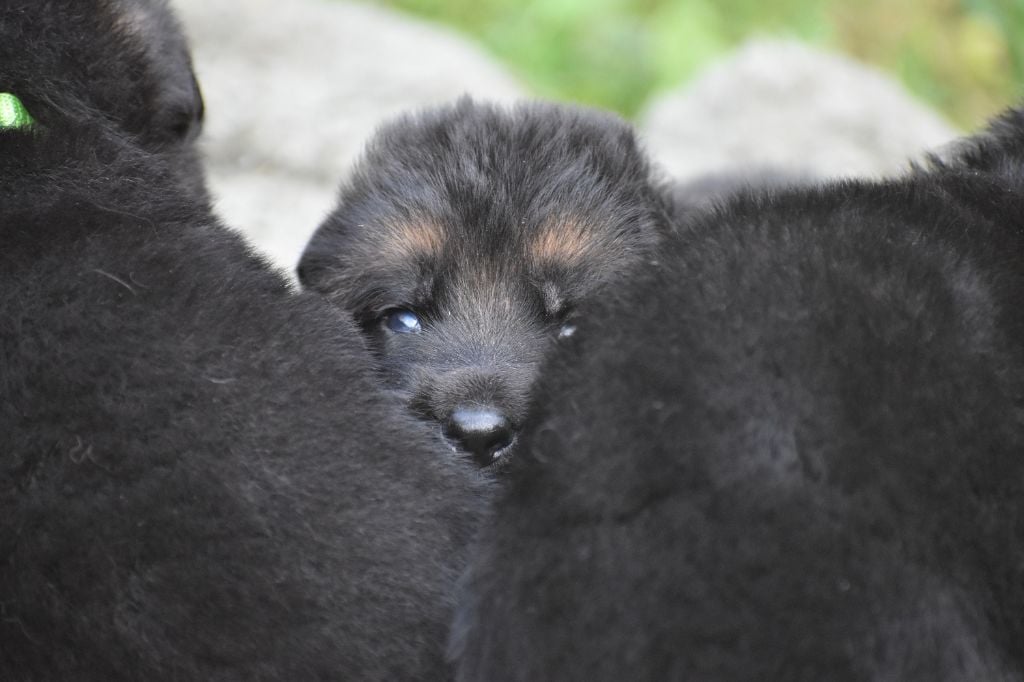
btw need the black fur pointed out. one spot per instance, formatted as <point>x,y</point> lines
<point>201,477</point>
<point>491,226</point>
<point>696,195</point>
<point>124,62</point>
<point>791,449</point>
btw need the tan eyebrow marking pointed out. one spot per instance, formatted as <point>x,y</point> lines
<point>566,240</point>
<point>411,239</point>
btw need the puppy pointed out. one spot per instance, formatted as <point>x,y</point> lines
<point>132,72</point>
<point>202,478</point>
<point>792,450</point>
<point>466,239</point>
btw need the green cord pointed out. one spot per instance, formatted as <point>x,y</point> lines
<point>13,113</point>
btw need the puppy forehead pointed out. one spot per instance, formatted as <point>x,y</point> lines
<point>416,238</point>
<point>563,240</point>
<point>486,256</point>
<point>488,261</point>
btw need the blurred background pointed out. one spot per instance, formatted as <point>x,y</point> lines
<point>964,57</point>
<point>809,89</point>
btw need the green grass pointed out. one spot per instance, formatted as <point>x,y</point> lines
<point>966,57</point>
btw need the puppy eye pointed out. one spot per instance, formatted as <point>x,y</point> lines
<point>402,321</point>
<point>565,318</point>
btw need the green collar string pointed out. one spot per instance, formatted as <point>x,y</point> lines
<point>13,114</point>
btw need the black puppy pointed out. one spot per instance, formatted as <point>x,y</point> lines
<point>464,242</point>
<point>791,451</point>
<point>127,66</point>
<point>202,478</point>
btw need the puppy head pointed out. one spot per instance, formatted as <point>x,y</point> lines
<point>119,63</point>
<point>464,241</point>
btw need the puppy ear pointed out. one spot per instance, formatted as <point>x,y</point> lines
<point>175,103</point>
<point>317,263</point>
<point>997,149</point>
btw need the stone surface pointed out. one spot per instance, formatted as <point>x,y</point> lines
<point>785,105</point>
<point>293,90</point>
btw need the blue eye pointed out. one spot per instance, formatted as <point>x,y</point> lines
<point>402,321</point>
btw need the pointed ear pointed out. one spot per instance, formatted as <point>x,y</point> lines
<point>997,149</point>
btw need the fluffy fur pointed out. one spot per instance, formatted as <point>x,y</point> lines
<point>790,450</point>
<point>202,478</point>
<point>122,62</point>
<point>490,227</point>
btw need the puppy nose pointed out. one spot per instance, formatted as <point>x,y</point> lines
<point>482,431</point>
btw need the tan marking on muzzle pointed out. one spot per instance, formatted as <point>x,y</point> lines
<point>564,240</point>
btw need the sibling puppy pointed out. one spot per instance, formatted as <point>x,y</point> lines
<point>791,451</point>
<point>465,240</point>
<point>202,478</point>
<point>126,66</point>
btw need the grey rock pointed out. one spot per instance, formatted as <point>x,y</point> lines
<point>788,106</point>
<point>294,89</point>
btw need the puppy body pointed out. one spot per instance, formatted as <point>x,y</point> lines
<point>791,451</point>
<point>466,239</point>
<point>202,478</point>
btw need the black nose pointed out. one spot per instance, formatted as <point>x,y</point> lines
<point>482,431</point>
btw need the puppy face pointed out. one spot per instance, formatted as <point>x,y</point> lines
<point>464,242</point>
